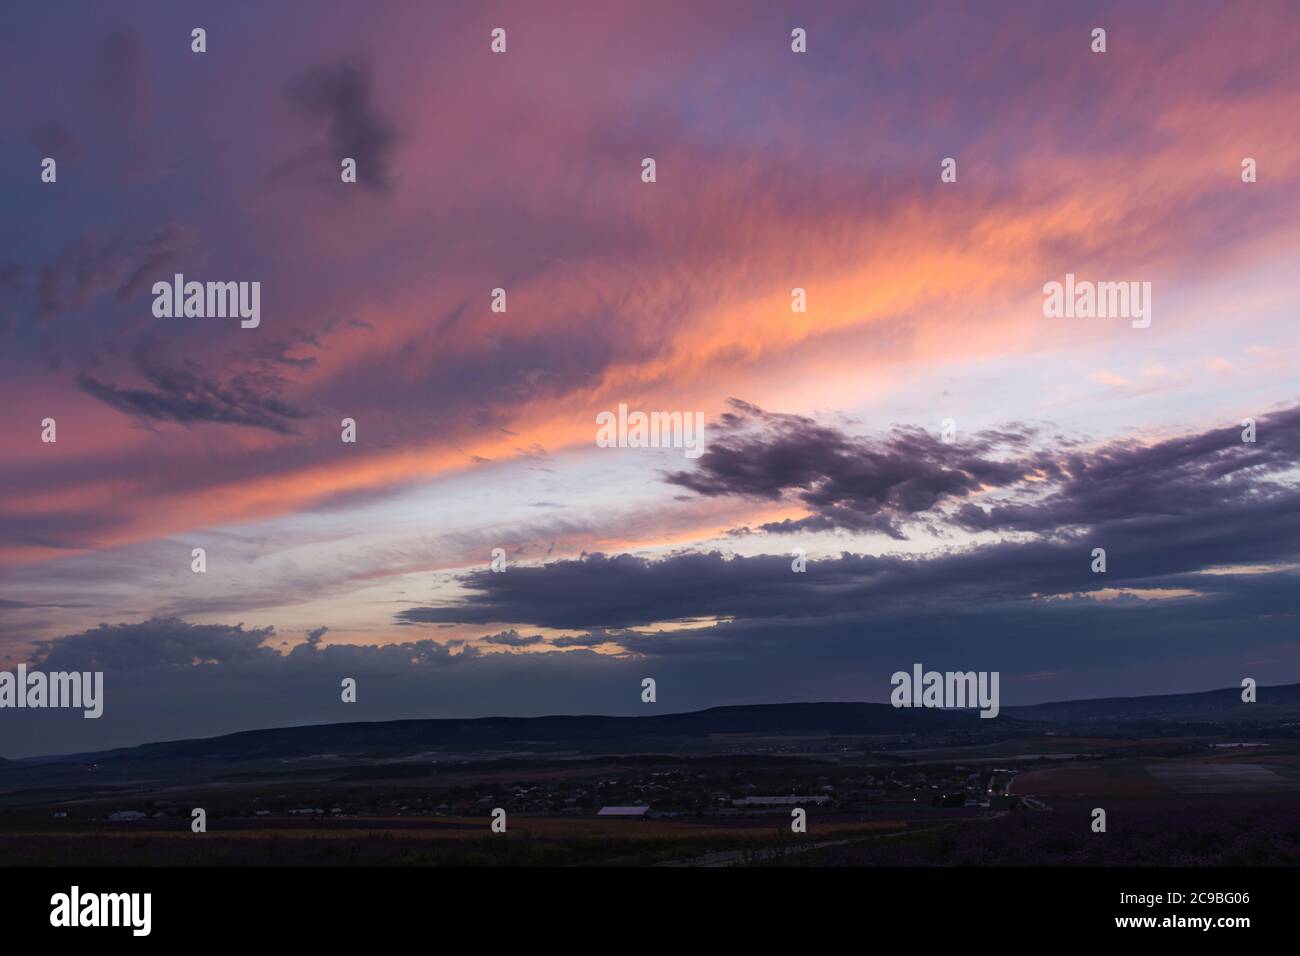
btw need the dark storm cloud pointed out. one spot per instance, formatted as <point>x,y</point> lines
<point>599,591</point>
<point>878,483</point>
<point>592,639</point>
<point>341,96</point>
<point>166,678</point>
<point>160,644</point>
<point>218,678</point>
<point>1190,476</point>
<point>1161,512</point>
<point>513,638</point>
<point>188,394</point>
<point>858,484</point>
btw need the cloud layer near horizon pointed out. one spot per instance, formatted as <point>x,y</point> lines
<point>1173,604</point>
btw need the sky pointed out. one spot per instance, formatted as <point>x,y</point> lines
<point>477,429</point>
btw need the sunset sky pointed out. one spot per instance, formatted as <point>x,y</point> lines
<point>476,430</point>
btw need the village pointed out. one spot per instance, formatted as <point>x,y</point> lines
<point>712,794</point>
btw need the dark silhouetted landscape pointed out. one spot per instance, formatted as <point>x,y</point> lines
<point>1191,779</point>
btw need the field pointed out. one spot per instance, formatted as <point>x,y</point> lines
<point>1250,773</point>
<point>445,841</point>
<point>1159,831</point>
<point>1175,793</point>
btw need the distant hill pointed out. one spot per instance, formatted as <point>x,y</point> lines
<point>383,739</point>
<point>1216,706</point>
<point>386,737</point>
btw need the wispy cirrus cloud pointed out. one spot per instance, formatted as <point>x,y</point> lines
<point>339,95</point>
<point>188,394</point>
